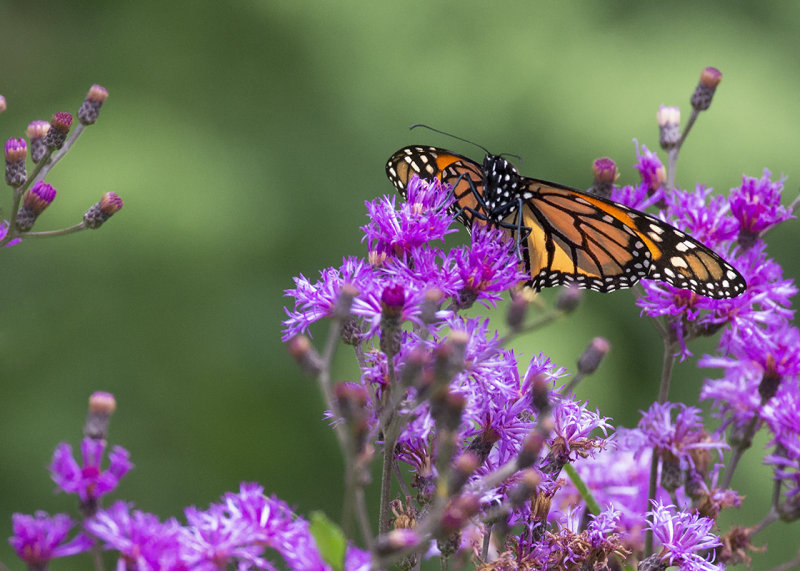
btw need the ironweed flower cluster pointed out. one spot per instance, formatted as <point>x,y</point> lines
<point>503,466</point>
<point>48,142</point>
<point>486,460</point>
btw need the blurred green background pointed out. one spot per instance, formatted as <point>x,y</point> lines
<point>244,138</point>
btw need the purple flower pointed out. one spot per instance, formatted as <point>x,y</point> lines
<point>705,217</point>
<point>143,541</point>
<point>277,526</point>
<point>424,216</point>
<point>488,267</point>
<point>638,197</point>
<point>678,437</point>
<point>650,168</point>
<point>619,479</point>
<point>782,415</point>
<point>216,538</point>
<point>574,424</point>
<point>683,537</point>
<point>40,538</point>
<point>317,301</point>
<point>89,481</point>
<point>756,205</point>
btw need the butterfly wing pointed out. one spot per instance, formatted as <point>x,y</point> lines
<point>602,245</point>
<point>462,173</point>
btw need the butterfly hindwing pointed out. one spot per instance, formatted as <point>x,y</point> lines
<point>571,240</point>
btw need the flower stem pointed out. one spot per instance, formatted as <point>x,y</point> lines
<point>52,233</point>
<point>667,362</point>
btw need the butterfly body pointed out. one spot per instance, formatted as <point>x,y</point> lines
<point>566,236</point>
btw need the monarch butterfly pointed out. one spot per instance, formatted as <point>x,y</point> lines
<point>566,236</point>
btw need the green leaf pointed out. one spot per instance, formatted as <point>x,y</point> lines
<point>330,539</point>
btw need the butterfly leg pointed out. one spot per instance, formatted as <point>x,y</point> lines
<point>474,212</point>
<point>518,231</point>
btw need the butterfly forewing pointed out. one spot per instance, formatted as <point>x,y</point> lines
<point>464,175</point>
<point>565,235</point>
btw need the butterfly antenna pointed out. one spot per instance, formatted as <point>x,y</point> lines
<point>484,149</point>
<point>519,158</point>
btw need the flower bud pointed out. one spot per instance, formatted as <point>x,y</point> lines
<point>304,353</point>
<point>540,394</point>
<point>525,488</point>
<point>101,406</point>
<point>2,104</point>
<point>102,211</point>
<point>59,128</point>
<point>16,152</point>
<point>449,357</point>
<point>36,200</point>
<point>36,131</point>
<point>463,467</point>
<point>90,108</point>
<point>704,92</point>
<point>605,174</point>
<point>395,540</point>
<point>569,298</point>
<point>482,444</point>
<point>770,380</point>
<point>393,299</point>
<point>517,311</point>
<point>531,447</point>
<point>669,127</point>
<point>446,410</point>
<point>590,360</point>
<point>458,512</point>
<point>431,302</point>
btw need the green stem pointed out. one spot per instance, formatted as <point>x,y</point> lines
<point>52,233</point>
<point>583,489</point>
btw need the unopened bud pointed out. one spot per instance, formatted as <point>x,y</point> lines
<point>431,302</point>
<point>605,174</point>
<point>101,406</point>
<point>344,301</point>
<point>304,353</point>
<point>569,298</point>
<point>446,409</point>
<point>97,215</point>
<point>531,447</point>
<point>458,512</point>
<point>590,360</point>
<point>770,380</point>
<point>449,356</point>
<point>16,151</point>
<point>36,131</point>
<point>3,106</point>
<point>525,488</point>
<point>395,540</point>
<point>517,311</point>
<point>39,197</point>
<point>482,444</point>
<point>90,108</point>
<point>669,127</point>
<point>704,92</point>
<point>463,467</point>
<point>59,128</point>
<point>540,394</point>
